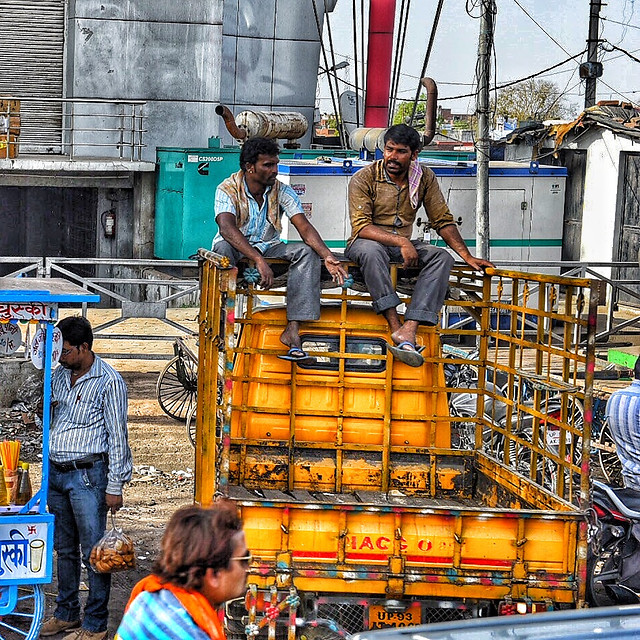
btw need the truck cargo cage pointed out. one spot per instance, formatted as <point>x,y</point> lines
<point>343,465</point>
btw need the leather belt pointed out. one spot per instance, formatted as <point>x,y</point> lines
<point>83,463</point>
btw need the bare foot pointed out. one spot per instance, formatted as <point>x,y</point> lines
<point>406,333</point>
<point>290,337</point>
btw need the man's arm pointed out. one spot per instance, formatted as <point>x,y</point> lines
<point>230,232</point>
<point>310,236</point>
<point>452,237</point>
<point>120,462</point>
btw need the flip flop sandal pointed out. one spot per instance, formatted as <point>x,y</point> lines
<point>295,354</point>
<point>410,356</point>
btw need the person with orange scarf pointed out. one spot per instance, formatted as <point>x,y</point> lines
<point>203,563</point>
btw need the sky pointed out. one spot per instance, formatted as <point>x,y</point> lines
<point>521,47</point>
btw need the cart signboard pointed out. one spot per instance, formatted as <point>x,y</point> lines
<point>26,545</point>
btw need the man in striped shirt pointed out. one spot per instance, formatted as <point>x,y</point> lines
<point>203,563</point>
<point>249,206</point>
<point>623,412</point>
<point>90,460</point>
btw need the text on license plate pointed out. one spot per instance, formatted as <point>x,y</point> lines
<point>379,618</point>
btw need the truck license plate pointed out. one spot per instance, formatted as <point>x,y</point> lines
<point>379,618</point>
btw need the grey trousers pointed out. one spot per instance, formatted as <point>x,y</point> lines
<point>303,279</point>
<point>430,290</point>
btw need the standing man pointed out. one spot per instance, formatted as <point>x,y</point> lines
<point>203,563</point>
<point>623,412</point>
<point>249,206</point>
<point>384,198</point>
<point>90,460</point>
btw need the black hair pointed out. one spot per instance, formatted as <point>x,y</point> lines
<point>253,148</point>
<point>636,369</point>
<point>76,330</point>
<point>403,134</point>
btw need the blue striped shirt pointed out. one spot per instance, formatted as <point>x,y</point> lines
<point>91,417</point>
<point>260,233</point>
<point>623,411</point>
<point>158,615</point>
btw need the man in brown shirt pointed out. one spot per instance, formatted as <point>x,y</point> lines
<point>383,201</point>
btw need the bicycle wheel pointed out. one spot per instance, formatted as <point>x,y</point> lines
<point>177,388</point>
<point>607,456</point>
<point>21,611</point>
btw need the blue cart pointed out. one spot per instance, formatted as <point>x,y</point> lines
<point>26,532</point>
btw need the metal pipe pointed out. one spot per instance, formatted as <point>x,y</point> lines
<point>381,21</point>
<point>431,109</point>
<point>230,122</point>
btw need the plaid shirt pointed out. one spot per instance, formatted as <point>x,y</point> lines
<point>158,615</point>
<point>623,411</point>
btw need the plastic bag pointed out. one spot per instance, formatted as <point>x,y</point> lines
<point>113,552</point>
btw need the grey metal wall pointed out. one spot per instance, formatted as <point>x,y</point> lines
<point>270,55</point>
<point>166,52</point>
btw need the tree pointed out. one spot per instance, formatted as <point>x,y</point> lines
<point>403,111</point>
<point>532,99</point>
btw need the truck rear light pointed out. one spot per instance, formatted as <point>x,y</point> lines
<point>510,608</point>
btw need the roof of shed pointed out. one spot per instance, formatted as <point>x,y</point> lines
<point>621,117</point>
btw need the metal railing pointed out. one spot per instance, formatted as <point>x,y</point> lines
<point>79,127</point>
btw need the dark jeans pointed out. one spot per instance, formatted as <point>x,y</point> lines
<point>430,290</point>
<point>77,499</point>
<point>303,279</point>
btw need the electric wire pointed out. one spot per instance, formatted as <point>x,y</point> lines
<point>540,26</point>
<point>427,55</point>
<point>355,58</point>
<point>624,24</point>
<point>326,65</point>
<point>339,118</point>
<point>403,24</point>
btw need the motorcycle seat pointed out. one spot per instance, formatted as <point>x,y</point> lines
<point>626,501</point>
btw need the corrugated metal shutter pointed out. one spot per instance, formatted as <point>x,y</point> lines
<point>32,54</point>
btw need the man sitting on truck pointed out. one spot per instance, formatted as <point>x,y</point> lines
<point>623,412</point>
<point>249,206</point>
<point>384,198</point>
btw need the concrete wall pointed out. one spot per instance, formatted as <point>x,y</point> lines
<point>270,55</point>
<point>165,52</point>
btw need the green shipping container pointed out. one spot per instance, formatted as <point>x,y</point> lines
<point>186,187</point>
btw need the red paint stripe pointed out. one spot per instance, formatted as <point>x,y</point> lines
<point>367,556</point>
<point>487,561</point>
<point>315,554</point>
<point>431,559</point>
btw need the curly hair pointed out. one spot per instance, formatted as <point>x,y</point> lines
<point>197,539</point>
<point>403,134</point>
<point>253,148</point>
<point>76,330</point>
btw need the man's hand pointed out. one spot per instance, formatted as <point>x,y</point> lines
<point>478,264</point>
<point>114,502</point>
<point>266,274</point>
<point>409,255</point>
<point>335,269</point>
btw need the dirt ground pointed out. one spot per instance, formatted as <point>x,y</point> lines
<point>162,453</point>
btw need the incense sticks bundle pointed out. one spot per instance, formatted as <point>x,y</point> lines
<point>10,454</point>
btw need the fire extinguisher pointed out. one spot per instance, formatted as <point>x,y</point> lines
<point>108,220</point>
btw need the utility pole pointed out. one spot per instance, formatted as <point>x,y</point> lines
<point>592,69</point>
<point>485,44</point>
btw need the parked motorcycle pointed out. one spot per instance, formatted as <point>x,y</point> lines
<point>613,560</point>
<point>464,404</point>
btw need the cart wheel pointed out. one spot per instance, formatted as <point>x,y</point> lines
<point>191,425</point>
<point>607,456</point>
<point>26,610</point>
<point>177,387</point>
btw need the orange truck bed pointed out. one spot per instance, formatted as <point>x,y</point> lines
<point>343,470</point>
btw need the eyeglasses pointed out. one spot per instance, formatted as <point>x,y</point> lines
<point>243,559</point>
<point>66,352</point>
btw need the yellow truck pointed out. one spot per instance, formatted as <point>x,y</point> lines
<point>358,512</point>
